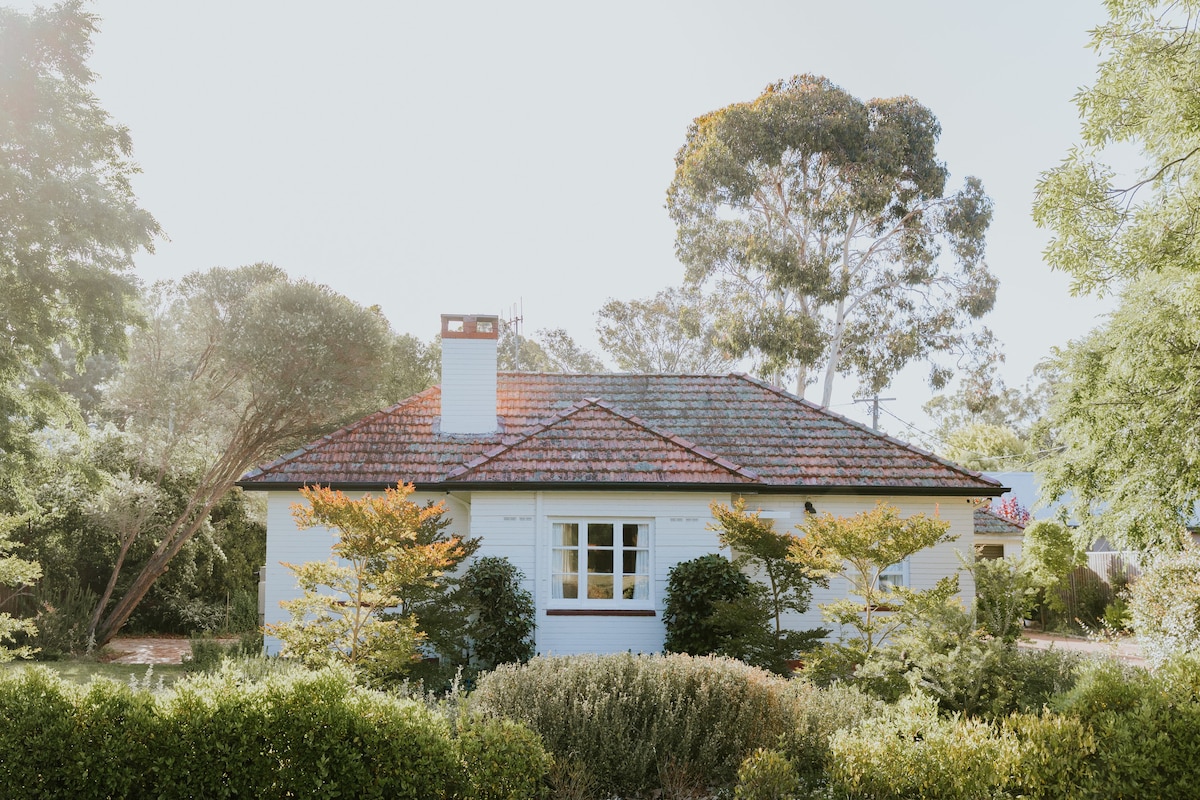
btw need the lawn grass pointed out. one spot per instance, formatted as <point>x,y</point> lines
<point>81,671</point>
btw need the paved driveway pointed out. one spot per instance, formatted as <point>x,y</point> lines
<point>1126,648</point>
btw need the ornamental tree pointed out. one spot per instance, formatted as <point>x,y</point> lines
<point>860,549</point>
<point>824,224</point>
<point>379,555</point>
<point>764,552</point>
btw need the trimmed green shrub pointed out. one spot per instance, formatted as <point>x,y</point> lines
<point>38,733</point>
<point>766,775</point>
<point>312,734</point>
<point>503,760</point>
<point>695,591</point>
<point>625,718</point>
<point>502,615</point>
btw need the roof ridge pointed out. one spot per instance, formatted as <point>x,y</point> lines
<point>343,431</point>
<point>862,427</point>
<point>596,402</point>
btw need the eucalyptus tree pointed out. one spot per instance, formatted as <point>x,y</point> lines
<point>673,332</point>
<point>70,225</point>
<point>821,220</point>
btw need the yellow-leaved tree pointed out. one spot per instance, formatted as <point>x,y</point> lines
<point>862,549</point>
<point>348,613</point>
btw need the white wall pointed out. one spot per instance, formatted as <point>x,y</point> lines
<point>516,525</point>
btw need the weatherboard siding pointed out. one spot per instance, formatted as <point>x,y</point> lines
<point>517,526</point>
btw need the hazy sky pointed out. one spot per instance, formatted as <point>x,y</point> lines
<point>461,157</point>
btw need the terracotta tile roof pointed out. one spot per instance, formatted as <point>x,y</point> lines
<point>992,524</point>
<point>594,442</point>
<point>651,429</point>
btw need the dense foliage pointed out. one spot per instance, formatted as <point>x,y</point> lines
<point>71,222</point>
<point>821,220</point>
<point>629,719</point>
<point>284,735</point>
<point>1165,604</point>
<point>1126,406</point>
<point>501,614</point>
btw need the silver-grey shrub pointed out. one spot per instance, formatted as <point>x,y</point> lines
<point>628,719</point>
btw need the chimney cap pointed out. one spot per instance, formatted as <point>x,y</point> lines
<point>470,326</point>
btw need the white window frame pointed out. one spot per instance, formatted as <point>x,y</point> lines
<point>581,548</point>
<point>894,575</point>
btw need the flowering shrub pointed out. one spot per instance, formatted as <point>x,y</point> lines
<point>1164,604</point>
<point>1011,509</point>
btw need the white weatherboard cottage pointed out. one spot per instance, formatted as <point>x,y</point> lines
<point>594,486</point>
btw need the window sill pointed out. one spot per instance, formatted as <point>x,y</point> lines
<point>601,612</point>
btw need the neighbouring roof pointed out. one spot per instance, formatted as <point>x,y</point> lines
<point>616,430</point>
<point>989,523</point>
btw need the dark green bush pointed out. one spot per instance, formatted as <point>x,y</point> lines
<point>630,719</point>
<point>695,590</point>
<point>63,614</point>
<point>501,613</point>
<point>1033,678</point>
<point>207,654</point>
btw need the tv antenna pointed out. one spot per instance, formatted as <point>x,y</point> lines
<point>514,321</point>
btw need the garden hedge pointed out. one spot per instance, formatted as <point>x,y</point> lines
<point>312,735</point>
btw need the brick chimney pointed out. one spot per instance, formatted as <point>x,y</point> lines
<point>469,373</point>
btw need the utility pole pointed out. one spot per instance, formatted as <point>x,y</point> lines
<point>874,401</point>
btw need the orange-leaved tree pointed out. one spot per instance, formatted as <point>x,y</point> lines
<point>379,555</point>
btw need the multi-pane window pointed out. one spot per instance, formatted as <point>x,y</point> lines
<point>894,575</point>
<point>604,561</point>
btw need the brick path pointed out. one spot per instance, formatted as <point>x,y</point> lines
<point>152,650</point>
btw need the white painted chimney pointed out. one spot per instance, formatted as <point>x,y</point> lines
<point>469,373</point>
